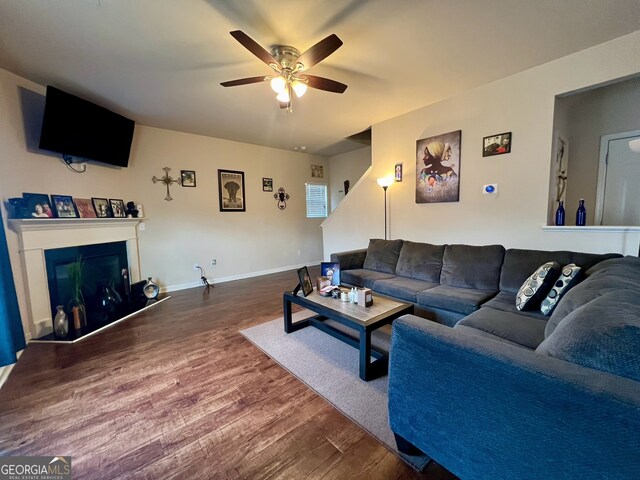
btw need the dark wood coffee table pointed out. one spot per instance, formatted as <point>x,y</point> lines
<point>363,320</point>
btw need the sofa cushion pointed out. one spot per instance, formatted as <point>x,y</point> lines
<point>420,260</point>
<point>362,277</point>
<point>569,277</point>
<point>603,334</point>
<point>537,286</point>
<point>518,264</point>
<point>520,329</point>
<point>382,255</point>
<point>607,276</point>
<point>506,302</point>
<point>462,300</point>
<point>481,333</point>
<point>470,266</point>
<point>402,287</point>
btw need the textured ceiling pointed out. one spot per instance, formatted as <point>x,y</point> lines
<point>161,62</point>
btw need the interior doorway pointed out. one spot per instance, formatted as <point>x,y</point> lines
<point>618,195</point>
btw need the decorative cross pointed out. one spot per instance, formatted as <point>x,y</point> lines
<point>282,198</point>
<point>167,180</point>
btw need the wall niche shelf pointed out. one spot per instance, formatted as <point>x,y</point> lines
<point>591,228</point>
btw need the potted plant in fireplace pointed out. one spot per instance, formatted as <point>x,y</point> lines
<point>76,306</point>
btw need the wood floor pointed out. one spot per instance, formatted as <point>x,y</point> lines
<point>178,393</point>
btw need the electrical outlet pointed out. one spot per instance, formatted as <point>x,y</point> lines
<point>196,267</point>
<point>214,262</point>
<point>299,252</point>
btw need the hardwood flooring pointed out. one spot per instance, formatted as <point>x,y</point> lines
<point>178,393</point>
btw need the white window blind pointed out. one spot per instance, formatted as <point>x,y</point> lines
<point>316,200</point>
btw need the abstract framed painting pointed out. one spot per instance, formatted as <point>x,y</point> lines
<point>438,168</point>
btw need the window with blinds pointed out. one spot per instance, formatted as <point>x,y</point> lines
<point>316,200</point>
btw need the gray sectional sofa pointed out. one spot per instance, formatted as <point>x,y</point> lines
<point>508,393</point>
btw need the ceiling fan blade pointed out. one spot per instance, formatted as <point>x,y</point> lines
<point>243,81</point>
<point>250,44</point>
<point>319,51</point>
<point>322,83</point>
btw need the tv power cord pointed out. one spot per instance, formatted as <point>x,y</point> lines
<point>205,281</point>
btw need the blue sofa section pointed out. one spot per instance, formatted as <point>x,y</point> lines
<point>508,393</point>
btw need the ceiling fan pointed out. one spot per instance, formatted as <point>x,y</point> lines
<point>289,64</point>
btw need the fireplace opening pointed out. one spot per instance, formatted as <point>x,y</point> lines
<point>104,284</point>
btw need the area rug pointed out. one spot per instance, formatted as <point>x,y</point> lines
<point>330,368</point>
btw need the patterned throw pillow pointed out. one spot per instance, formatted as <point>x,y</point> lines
<point>571,275</point>
<point>536,287</point>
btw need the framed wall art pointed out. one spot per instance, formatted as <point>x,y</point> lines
<point>267,184</point>
<point>438,168</point>
<point>231,191</point>
<point>188,178</point>
<point>497,144</point>
<point>397,172</point>
<point>317,171</point>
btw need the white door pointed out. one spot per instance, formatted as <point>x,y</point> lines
<point>619,184</point>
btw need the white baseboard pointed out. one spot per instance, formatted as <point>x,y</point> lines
<point>6,370</point>
<point>214,280</point>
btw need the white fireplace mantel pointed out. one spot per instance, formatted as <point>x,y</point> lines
<point>37,235</point>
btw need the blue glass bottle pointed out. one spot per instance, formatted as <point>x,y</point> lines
<point>581,214</point>
<point>560,214</point>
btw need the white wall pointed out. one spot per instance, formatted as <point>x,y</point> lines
<point>611,109</point>
<point>522,104</point>
<point>346,166</point>
<point>190,229</point>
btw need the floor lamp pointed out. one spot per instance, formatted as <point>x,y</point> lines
<point>384,182</point>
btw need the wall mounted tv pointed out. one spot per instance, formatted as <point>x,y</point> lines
<point>78,128</point>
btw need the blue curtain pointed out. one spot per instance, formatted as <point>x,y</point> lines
<point>11,333</point>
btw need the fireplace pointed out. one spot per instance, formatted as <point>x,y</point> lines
<point>38,237</point>
<point>103,265</point>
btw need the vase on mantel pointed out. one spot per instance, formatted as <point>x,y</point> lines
<point>60,324</point>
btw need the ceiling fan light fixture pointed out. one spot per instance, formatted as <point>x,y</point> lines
<point>284,96</point>
<point>278,84</point>
<point>299,87</point>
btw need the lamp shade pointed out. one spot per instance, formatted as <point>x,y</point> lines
<point>385,181</point>
<point>278,84</point>
<point>299,87</point>
<point>284,96</point>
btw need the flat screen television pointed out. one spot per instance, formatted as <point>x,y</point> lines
<point>76,127</point>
